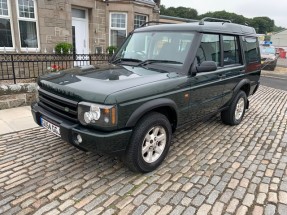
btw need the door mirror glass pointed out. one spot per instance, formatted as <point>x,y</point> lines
<point>207,66</point>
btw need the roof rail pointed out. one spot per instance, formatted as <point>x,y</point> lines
<point>201,22</point>
<point>156,22</point>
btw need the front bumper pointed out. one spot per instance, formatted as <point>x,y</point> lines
<point>93,140</point>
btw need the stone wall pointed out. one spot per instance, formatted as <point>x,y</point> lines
<point>54,21</point>
<point>17,95</point>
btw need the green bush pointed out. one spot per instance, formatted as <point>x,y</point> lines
<point>65,47</point>
<point>111,49</point>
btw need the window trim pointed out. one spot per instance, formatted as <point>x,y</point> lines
<point>29,20</point>
<point>116,28</point>
<point>139,14</point>
<point>9,17</point>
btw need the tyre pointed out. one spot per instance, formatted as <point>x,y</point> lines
<point>235,113</point>
<point>272,68</point>
<point>149,143</point>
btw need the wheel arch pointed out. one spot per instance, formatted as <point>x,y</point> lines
<point>164,106</point>
<point>244,85</point>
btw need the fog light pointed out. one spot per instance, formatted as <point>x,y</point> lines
<point>79,138</point>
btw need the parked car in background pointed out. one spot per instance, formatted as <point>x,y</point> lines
<point>268,57</point>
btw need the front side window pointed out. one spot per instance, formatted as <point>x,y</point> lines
<point>118,28</point>
<point>139,20</point>
<point>209,49</point>
<point>251,50</point>
<point>231,51</point>
<point>27,23</point>
<point>5,25</point>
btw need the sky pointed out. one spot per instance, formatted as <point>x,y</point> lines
<point>274,9</point>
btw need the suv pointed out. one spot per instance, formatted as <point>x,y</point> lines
<point>161,78</point>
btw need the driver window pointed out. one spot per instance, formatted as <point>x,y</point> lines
<point>209,49</point>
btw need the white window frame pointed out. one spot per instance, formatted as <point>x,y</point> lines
<point>11,26</point>
<point>35,19</point>
<point>117,28</point>
<point>138,14</point>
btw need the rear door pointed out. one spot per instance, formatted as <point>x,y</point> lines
<point>233,66</point>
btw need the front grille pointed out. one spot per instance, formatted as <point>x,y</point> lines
<point>58,105</point>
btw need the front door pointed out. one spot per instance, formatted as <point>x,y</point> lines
<point>207,87</point>
<point>80,35</point>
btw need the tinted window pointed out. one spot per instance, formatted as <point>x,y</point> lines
<point>251,50</point>
<point>209,49</point>
<point>231,52</point>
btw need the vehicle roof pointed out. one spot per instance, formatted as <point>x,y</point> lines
<point>207,27</point>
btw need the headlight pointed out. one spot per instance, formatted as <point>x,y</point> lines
<point>98,115</point>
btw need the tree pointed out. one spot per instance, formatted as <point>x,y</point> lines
<point>262,25</point>
<point>239,19</point>
<point>182,12</point>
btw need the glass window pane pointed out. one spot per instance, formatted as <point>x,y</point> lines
<point>118,20</point>
<point>77,13</point>
<point>5,33</point>
<point>231,51</point>
<point>251,51</point>
<point>117,37</point>
<point>209,49</point>
<point>26,8</point>
<point>139,20</point>
<point>28,34</point>
<point>3,8</point>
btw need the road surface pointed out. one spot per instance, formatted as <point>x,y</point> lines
<point>274,80</point>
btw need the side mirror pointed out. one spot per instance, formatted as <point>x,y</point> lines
<point>207,66</point>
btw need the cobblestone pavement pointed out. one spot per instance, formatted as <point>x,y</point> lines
<point>211,168</point>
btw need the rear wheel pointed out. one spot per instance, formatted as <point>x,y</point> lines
<point>149,144</point>
<point>235,113</point>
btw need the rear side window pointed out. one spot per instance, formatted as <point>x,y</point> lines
<point>231,53</point>
<point>209,49</point>
<point>252,54</point>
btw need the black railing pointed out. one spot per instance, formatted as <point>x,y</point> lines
<point>30,66</point>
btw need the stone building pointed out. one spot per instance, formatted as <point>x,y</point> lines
<point>90,25</point>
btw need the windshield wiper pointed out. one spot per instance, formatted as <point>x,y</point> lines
<point>146,62</point>
<point>126,59</point>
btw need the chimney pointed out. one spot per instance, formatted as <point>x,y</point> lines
<point>157,2</point>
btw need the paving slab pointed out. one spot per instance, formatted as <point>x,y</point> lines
<point>16,119</point>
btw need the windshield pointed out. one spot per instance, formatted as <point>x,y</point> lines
<point>267,50</point>
<point>159,47</point>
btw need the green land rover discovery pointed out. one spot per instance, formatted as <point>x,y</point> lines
<point>161,78</point>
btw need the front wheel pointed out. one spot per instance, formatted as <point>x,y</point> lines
<point>234,114</point>
<point>149,144</point>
